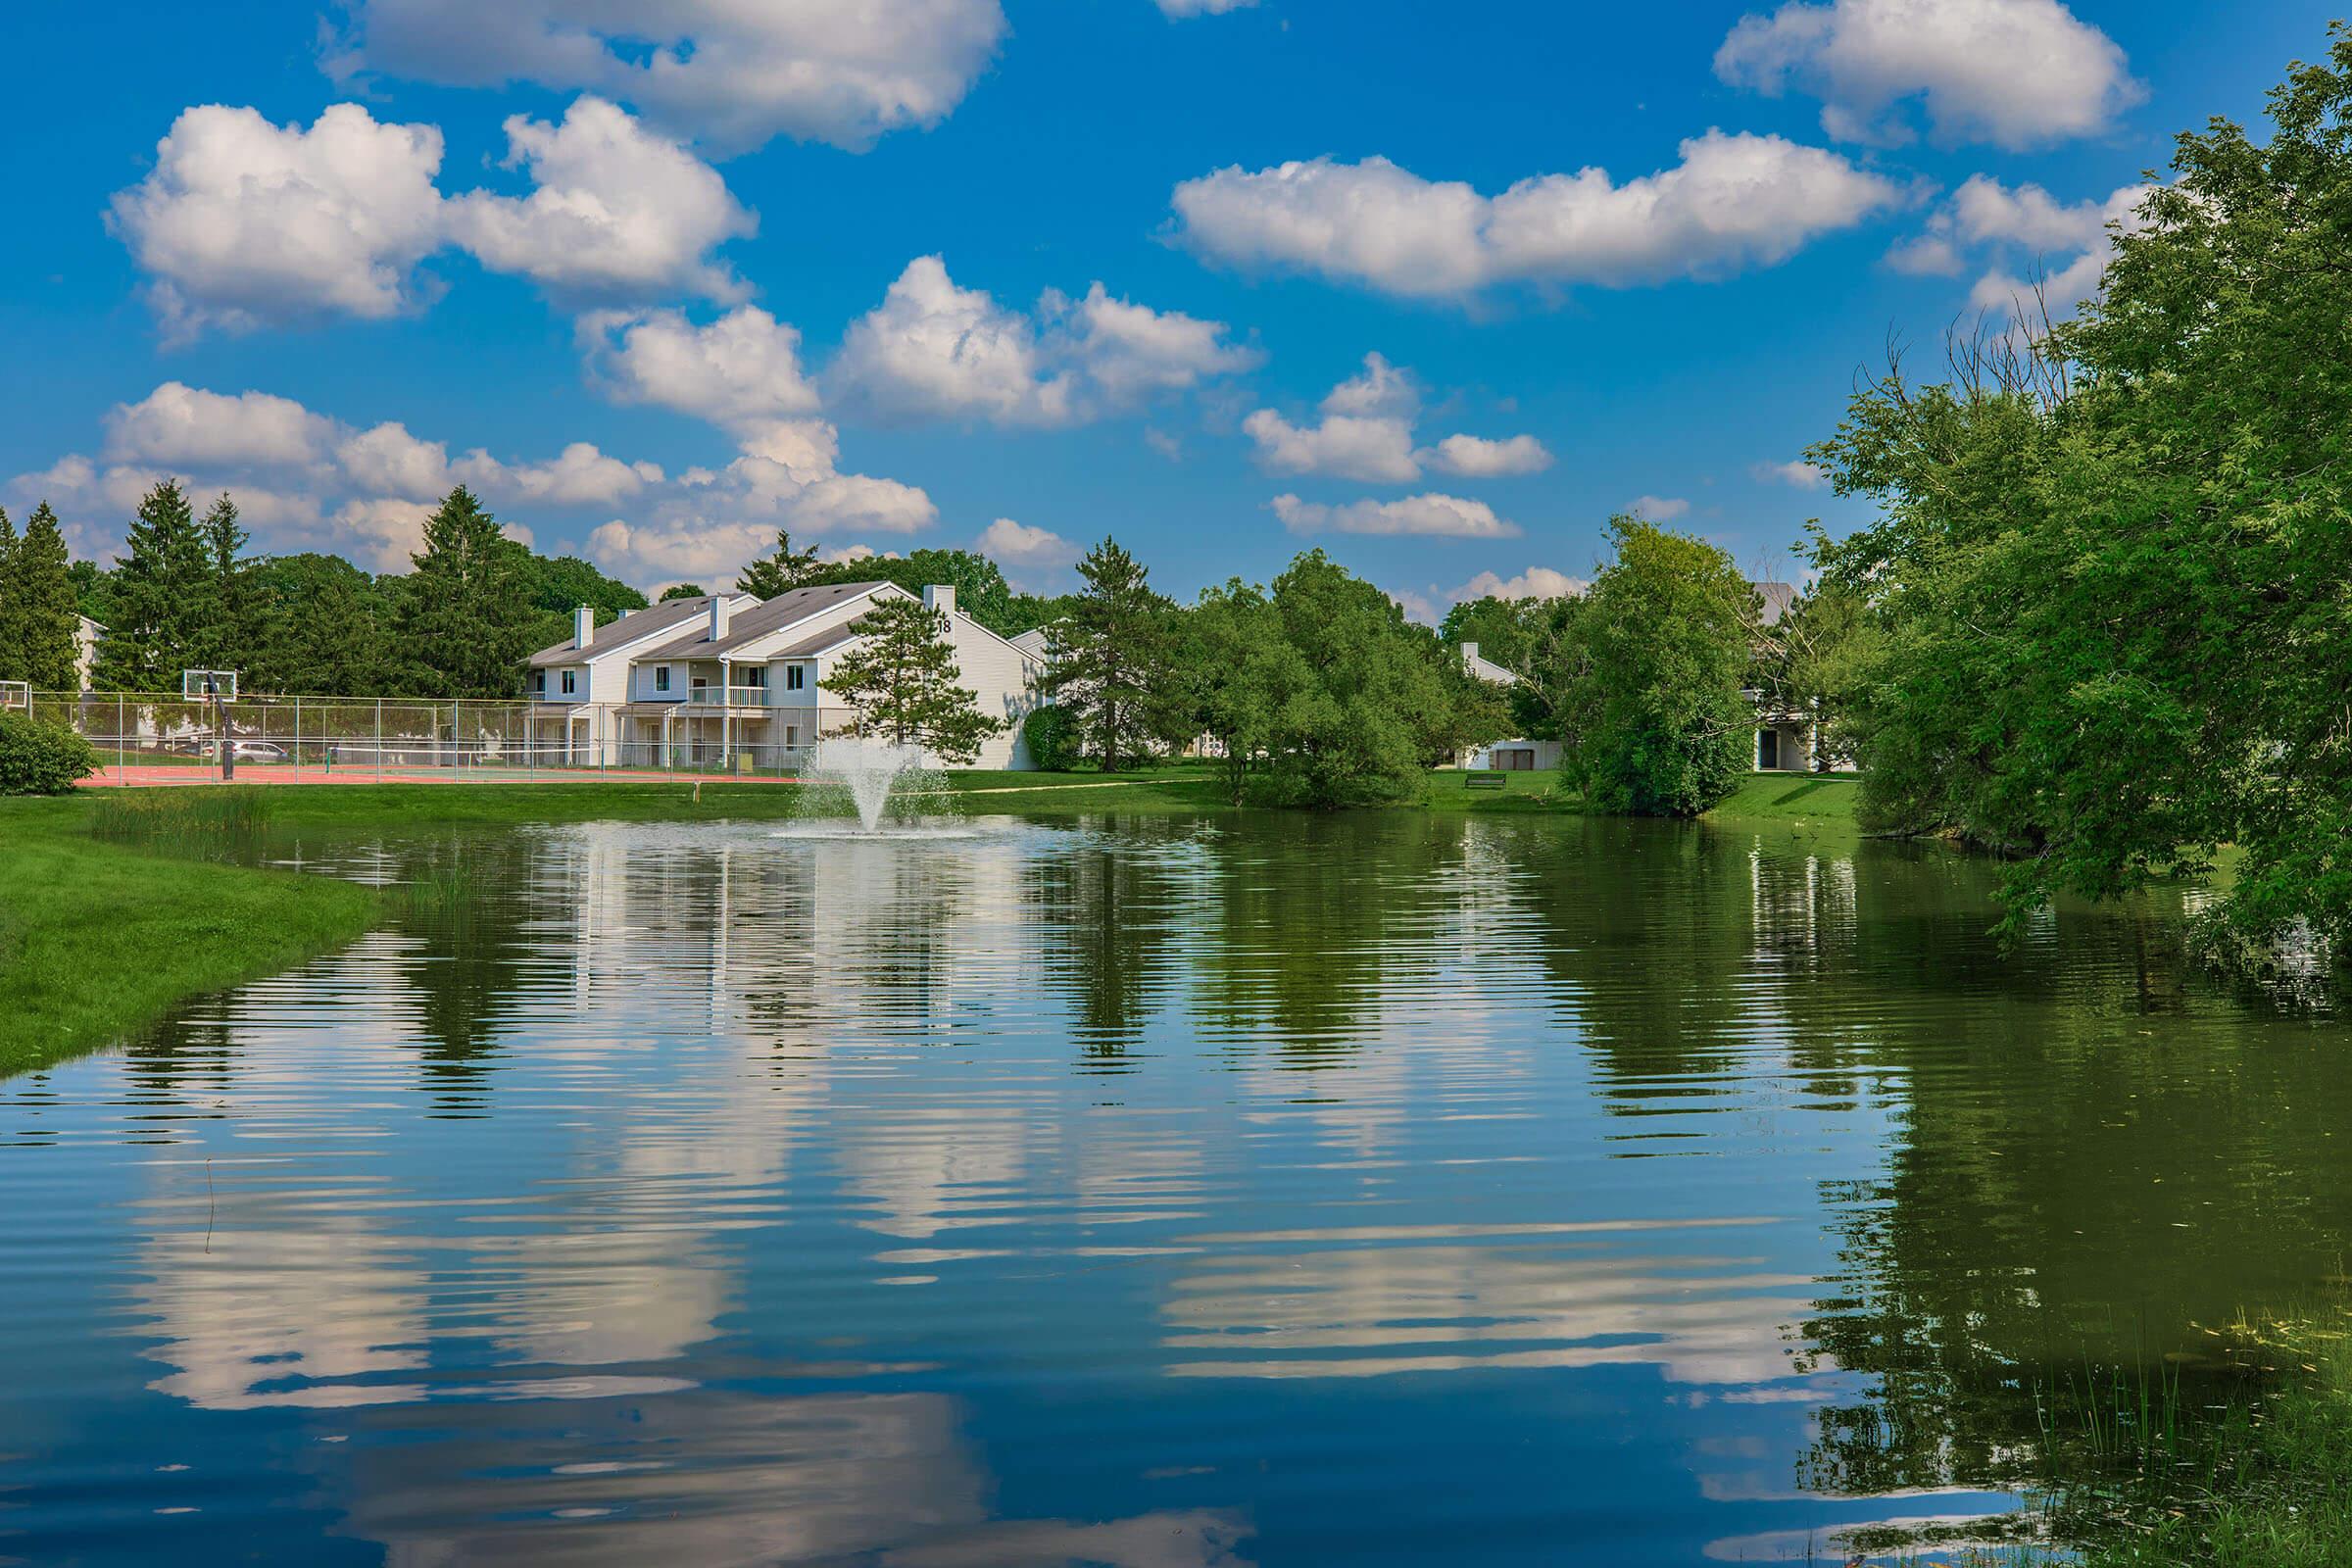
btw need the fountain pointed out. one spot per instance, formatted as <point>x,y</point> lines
<point>866,770</point>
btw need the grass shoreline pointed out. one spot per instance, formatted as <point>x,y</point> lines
<point>99,939</point>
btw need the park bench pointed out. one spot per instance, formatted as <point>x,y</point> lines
<point>1486,779</point>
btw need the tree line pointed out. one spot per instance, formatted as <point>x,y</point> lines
<point>2106,616</point>
<point>1315,690</point>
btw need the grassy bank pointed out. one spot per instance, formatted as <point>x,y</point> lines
<point>99,938</point>
<point>1822,799</point>
<point>2261,1480</point>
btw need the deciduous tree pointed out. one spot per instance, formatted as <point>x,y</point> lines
<point>1655,718</point>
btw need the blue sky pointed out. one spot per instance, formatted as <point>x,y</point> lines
<point>835,267</point>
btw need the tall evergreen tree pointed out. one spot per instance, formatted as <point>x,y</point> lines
<point>901,680</point>
<point>231,631</point>
<point>1107,657</point>
<point>780,571</point>
<point>46,614</point>
<point>464,622</point>
<point>326,628</point>
<point>12,633</point>
<point>159,594</point>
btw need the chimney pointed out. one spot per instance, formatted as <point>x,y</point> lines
<point>584,626</point>
<point>941,596</point>
<point>720,607</point>
<point>1469,655</point>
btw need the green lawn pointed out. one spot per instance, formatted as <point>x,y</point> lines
<point>97,939</point>
<point>1800,798</point>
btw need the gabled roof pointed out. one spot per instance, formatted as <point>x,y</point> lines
<point>1487,670</point>
<point>823,642</point>
<point>761,619</point>
<point>670,616</point>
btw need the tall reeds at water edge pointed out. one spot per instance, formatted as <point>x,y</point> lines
<point>441,888</point>
<point>192,824</point>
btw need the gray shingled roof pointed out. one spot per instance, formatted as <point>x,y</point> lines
<point>758,621</point>
<point>651,621</point>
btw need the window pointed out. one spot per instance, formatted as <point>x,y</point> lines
<point>755,675</point>
<point>792,735</point>
<point>539,683</point>
<point>660,677</point>
<point>795,677</point>
<point>571,677</point>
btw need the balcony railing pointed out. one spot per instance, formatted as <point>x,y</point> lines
<point>728,696</point>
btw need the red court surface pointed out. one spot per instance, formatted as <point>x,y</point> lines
<point>143,774</point>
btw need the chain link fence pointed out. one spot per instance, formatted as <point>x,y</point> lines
<point>155,738</point>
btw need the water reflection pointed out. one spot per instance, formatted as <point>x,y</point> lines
<point>1163,1194</point>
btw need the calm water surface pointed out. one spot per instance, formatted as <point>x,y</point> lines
<point>1154,1194</point>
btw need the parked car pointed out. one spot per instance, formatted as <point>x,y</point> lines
<point>257,751</point>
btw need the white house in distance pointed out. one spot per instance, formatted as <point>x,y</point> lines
<point>730,679</point>
<point>1513,755</point>
<point>87,636</point>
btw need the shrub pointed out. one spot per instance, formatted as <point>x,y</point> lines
<point>1054,739</point>
<point>37,758</point>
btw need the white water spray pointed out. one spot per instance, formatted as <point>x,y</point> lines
<point>866,770</point>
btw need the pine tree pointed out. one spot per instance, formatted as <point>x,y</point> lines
<point>1108,656</point>
<point>782,571</point>
<point>465,618</point>
<point>901,679</point>
<point>231,634</point>
<point>12,614</point>
<point>48,616</point>
<point>158,593</point>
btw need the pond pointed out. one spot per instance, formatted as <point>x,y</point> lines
<point>1158,1192</point>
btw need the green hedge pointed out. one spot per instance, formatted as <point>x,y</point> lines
<point>1053,740</point>
<point>37,758</point>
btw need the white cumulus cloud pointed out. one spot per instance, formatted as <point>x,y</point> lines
<point>1734,201</point>
<point>1180,9</point>
<point>242,222</point>
<point>618,209</point>
<point>1016,544</point>
<point>305,481</point>
<point>1795,473</point>
<point>2014,72</point>
<point>1366,432</point>
<point>934,350</point>
<point>730,72</point>
<point>1658,508</point>
<point>1477,457</point>
<point>1535,582</point>
<point>1340,446</point>
<point>1432,514</point>
<point>181,425</point>
<point>2023,236</point>
<point>738,373</point>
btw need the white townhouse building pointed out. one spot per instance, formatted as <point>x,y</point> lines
<point>731,681</point>
<point>1512,756</point>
